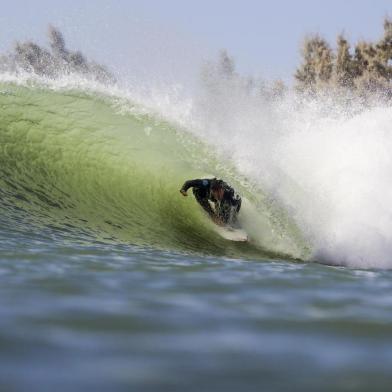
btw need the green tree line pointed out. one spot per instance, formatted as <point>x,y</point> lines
<point>54,62</point>
<point>365,68</point>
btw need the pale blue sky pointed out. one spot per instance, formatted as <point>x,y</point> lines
<point>169,39</point>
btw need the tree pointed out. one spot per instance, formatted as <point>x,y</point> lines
<point>384,48</point>
<point>385,44</point>
<point>317,65</point>
<point>30,57</point>
<point>371,71</point>
<point>344,65</point>
<point>226,66</point>
<point>56,42</point>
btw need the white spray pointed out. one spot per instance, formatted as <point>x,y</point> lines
<point>332,170</point>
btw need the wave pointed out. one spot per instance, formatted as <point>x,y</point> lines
<point>85,159</point>
<point>325,159</point>
<point>93,167</point>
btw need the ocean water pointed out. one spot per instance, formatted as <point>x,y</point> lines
<point>118,317</point>
<point>110,280</point>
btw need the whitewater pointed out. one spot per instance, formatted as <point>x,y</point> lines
<point>110,279</point>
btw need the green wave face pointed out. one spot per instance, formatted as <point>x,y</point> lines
<point>76,163</point>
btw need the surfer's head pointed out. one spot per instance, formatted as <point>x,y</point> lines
<point>217,189</point>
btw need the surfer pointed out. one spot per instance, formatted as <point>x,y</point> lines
<point>226,202</point>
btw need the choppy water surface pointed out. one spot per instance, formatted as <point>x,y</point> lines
<point>107,317</point>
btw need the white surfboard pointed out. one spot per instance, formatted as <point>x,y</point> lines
<point>232,234</point>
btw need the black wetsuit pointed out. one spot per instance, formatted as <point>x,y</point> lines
<point>226,209</point>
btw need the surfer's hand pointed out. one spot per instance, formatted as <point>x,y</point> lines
<point>183,193</point>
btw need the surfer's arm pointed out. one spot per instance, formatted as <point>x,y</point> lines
<point>193,184</point>
<point>205,204</point>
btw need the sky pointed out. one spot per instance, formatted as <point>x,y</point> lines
<point>169,40</point>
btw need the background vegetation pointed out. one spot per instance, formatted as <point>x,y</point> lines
<point>365,68</point>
